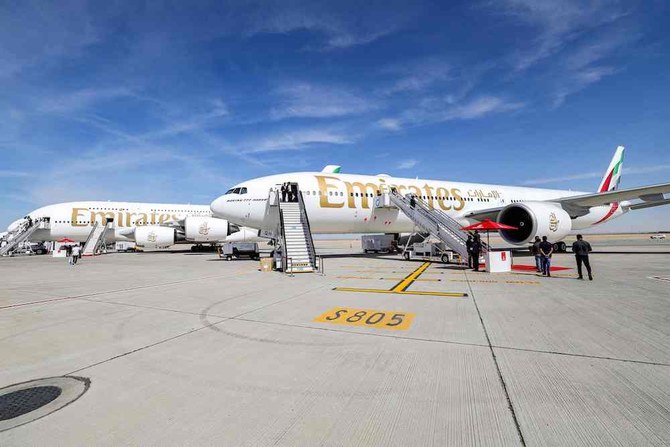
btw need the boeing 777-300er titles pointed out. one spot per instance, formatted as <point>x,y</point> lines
<point>146,224</point>
<point>342,203</point>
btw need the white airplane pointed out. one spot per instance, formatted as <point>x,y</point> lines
<point>342,203</point>
<point>147,224</point>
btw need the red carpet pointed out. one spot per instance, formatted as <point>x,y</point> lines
<point>532,268</point>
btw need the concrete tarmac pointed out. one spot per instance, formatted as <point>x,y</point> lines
<point>185,349</point>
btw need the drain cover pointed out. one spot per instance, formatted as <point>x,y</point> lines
<point>24,401</point>
<point>29,401</point>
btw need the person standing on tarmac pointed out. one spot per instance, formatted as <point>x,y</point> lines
<point>468,246</point>
<point>535,249</point>
<point>76,253</point>
<point>476,249</point>
<point>68,254</point>
<point>546,250</point>
<point>581,249</point>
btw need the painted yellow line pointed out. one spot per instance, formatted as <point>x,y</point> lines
<point>391,292</point>
<point>522,282</point>
<point>474,280</point>
<point>405,283</point>
<point>401,287</point>
<point>419,279</point>
<point>355,277</point>
<point>355,289</point>
<point>418,292</point>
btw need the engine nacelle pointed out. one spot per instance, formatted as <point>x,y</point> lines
<point>206,229</point>
<point>154,236</point>
<point>245,234</point>
<point>534,219</point>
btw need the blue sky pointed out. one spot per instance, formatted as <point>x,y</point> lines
<point>176,101</point>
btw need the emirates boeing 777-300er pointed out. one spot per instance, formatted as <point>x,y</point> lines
<point>146,224</point>
<point>346,203</point>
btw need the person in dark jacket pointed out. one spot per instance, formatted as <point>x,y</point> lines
<point>476,249</point>
<point>535,249</point>
<point>412,201</point>
<point>294,192</point>
<point>581,249</point>
<point>546,250</point>
<point>468,246</point>
<point>283,192</point>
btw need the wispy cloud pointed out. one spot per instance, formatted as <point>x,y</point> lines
<point>295,140</point>
<point>407,164</point>
<point>557,24</point>
<point>572,40</point>
<point>419,75</point>
<point>304,100</point>
<point>12,174</point>
<point>436,110</point>
<point>82,99</point>
<point>390,124</point>
<point>635,170</point>
<point>587,65</point>
<point>341,24</point>
<point>34,34</point>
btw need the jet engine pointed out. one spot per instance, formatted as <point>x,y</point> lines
<point>534,219</point>
<point>154,236</point>
<point>206,229</point>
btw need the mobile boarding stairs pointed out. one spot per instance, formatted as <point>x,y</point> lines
<point>21,234</point>
<point>434,221</point>
<point>95,241</point>
<point>293,233</point>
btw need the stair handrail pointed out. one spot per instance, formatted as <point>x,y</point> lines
<point>449,222</point>
<point>282,233</point>
<point>90,234</point>
<point>308,237</point>
<point>445,229</point>
<point>102,237</point>
<point>20,234</point>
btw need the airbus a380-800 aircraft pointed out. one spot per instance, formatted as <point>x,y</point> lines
<point>146,224</point>
<point>342,203</point>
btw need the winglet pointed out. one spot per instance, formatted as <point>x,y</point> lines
<point>612,177</point>
<point>332,169</point>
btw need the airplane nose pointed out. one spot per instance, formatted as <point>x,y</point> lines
<point>218,207</point>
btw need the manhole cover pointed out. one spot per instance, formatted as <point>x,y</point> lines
<point>24,401</point>
<point>28,401</point>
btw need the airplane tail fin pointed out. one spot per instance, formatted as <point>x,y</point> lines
<point>612,177</point>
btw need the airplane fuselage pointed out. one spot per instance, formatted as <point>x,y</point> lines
<point>344,203</point>
<point>74,220</point>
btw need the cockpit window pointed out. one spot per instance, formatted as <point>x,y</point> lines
<point>236,191</point>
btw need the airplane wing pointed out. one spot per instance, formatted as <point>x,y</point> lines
<point>650,196</point>
<point>645,193</point>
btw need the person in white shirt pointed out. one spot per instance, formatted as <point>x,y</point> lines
<point>76,253</point>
